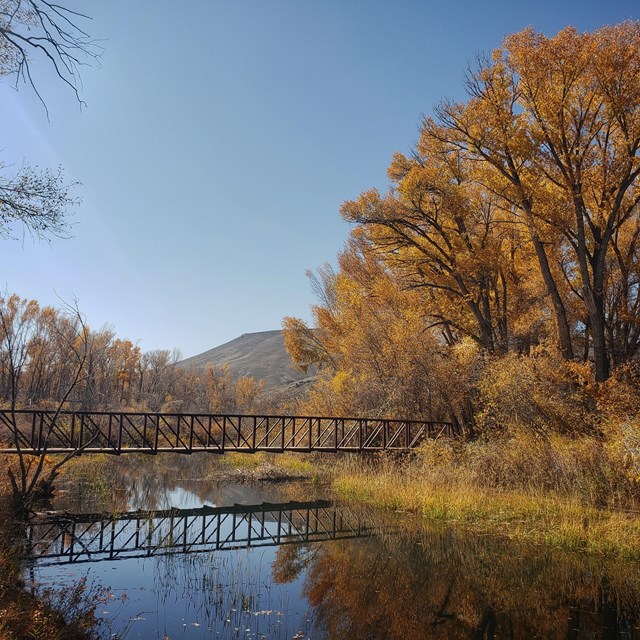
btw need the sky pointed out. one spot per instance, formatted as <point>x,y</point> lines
<point>219,139</point>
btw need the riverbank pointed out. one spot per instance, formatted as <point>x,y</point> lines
<point>568,494</point>
<point>264,467</point>
<point>575,494</point>
<point>59,616</point>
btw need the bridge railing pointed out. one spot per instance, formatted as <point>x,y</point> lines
<point>37,431</point>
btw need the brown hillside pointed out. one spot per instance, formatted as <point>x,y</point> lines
<point>261,355</point>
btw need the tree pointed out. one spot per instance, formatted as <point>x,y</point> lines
<point>556,122</point>
<point>443,235</point>
<point>32,338</point>
<point>374,347</point>
<point>36,200</point>
<point>30,29</point>
<point>523,202</point>
<point>49,31</point>
<point>511,231</point>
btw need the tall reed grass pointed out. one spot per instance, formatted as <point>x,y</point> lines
<point>571,493</point>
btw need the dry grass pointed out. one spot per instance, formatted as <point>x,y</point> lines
<point>262,466</point>
<point>557,492</point>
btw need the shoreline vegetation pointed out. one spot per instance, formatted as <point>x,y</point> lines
<point>531,516</point>
<point>569,494</point>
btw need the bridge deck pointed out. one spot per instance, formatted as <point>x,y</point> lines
<point>37,431</point>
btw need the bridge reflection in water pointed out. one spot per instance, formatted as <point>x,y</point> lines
<point>57,539</point>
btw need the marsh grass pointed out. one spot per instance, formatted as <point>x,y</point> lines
<point>92,475</point>
<point>570,494</point>
<point>263,466</point>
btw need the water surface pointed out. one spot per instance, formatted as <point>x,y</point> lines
<point>197,559</point>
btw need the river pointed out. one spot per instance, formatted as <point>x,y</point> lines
<point>190,558</point>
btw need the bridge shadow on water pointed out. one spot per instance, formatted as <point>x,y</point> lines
<point>63,538</point>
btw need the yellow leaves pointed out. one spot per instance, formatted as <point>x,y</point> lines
<point>368,205</point>
<point>376,335</point>
<point>465,352</point>
<point>340,381</point>
<point>399,167</point>
<point>580,372</point>
<point>442,232</point>
<point>302,343</point>
<point>535,393</point>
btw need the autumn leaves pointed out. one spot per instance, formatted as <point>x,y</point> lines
<point>513,224</point>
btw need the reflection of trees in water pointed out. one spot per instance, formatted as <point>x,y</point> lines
<point>129,482</point>
<point>439,585</point>
<point>291,560</point>
<point>133,481</point>
<point>146,482</point>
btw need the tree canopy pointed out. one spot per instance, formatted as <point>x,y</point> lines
<point>513,226</point>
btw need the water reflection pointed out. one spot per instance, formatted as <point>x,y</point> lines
<point>200,570</point>
<point>73,538</point>
<point>443,585</point>
<point>198,560</point>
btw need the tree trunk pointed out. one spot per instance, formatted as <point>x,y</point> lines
<point>564,330</point>
<point>595,308</point>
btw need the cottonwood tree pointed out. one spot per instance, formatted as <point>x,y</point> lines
<point>512,229</point>
<point>523,202</point>
<point>557,123</point>
<point>443,235</point>
<point>384,360</point>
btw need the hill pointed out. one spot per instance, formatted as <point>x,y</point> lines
<point>261,355</point>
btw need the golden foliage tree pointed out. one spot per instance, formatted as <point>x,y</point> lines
<point>383,359</point>
<point>511,231</point>
<point>556,124</point>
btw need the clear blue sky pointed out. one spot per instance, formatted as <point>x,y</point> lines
<point>221,137</point>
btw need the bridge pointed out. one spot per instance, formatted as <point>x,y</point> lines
<point>39,431</point>
<point>66,538</point>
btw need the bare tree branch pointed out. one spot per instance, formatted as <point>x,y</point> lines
<point>39,29</point>
<point>35,200</point>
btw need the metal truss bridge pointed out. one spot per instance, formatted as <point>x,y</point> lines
<point>62,539</point>
<point>38,431</point>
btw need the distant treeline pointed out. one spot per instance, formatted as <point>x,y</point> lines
<point>49,356</point>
